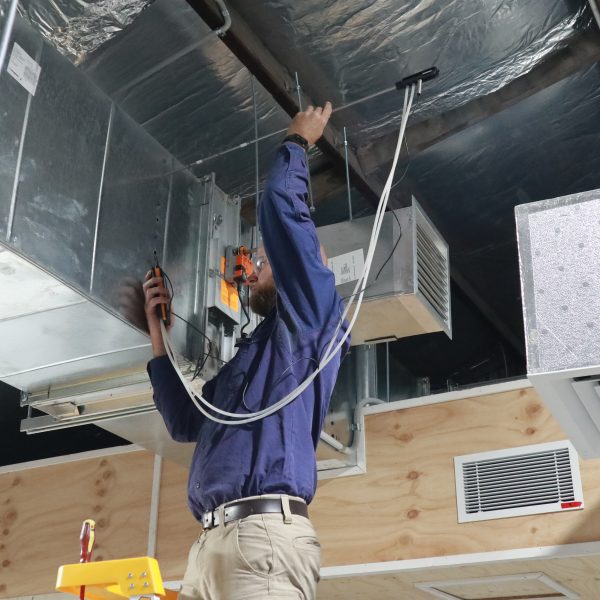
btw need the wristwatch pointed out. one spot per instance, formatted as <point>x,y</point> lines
<point>297,139</point>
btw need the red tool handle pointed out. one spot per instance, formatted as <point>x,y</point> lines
<point>86,539</point>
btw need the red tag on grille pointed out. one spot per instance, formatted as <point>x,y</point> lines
<point>571,504</point>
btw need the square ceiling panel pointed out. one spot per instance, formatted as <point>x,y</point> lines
<point>526,586</point>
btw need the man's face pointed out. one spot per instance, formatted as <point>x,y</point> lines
<point>262,285</point>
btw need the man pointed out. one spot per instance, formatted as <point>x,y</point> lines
<point>249,485</point>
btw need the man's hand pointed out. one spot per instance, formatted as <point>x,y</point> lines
<point>131,302</point>
<point>311,123</point>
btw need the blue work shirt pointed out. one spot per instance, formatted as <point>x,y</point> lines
<point>275,455</point>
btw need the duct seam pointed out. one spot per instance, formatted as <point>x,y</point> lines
<point>167,217</point>
<point>100,189</point>
<point>13,199</point>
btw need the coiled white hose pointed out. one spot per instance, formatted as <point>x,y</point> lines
<point>359,289</point>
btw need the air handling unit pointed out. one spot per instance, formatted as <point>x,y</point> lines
<point>559,253</point>
<point>408,291</point>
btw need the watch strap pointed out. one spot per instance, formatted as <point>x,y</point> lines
<point>297,139</point>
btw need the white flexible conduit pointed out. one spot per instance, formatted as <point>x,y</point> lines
<point>226,17</point>
<point>204,405</point>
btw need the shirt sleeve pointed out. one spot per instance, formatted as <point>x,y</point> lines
<point>179,413</point>
<point>305,286</point>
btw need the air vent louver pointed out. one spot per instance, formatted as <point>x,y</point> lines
<point>518,481</point>
<point>432,267</point>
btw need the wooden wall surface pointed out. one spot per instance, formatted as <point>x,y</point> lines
<point>42,509</point>
<point>403,507</point>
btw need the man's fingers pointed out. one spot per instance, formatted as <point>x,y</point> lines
<point>154,302</point>
<point>309,109</point>
<point>153,282</point>
<point>319,110</point>
<point>327,110</point>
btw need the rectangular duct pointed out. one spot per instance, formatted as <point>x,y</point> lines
<point>87,201</point>
<point>559,256</point>
<point>408,290</point>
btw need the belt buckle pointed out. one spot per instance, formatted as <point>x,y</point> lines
<point>208,520</point>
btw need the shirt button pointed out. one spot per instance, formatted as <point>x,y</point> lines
<point>197,486</point>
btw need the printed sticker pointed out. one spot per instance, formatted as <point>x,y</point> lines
<point>347,267</point>
<point>24,69</point>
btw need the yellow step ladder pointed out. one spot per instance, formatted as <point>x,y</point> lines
<point>114,579</point>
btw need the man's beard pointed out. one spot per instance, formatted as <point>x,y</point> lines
<point>262,301</point>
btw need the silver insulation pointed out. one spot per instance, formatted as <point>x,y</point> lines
<point>76,27</point>
<point>345,50</point>
<point>173,75</point>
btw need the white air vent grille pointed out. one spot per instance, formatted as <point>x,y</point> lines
<point>519,481</point>
<point>432,267</point>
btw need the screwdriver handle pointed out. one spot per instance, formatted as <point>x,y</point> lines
<point>87,540</point>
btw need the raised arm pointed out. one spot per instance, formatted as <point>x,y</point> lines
<point>306,287</point>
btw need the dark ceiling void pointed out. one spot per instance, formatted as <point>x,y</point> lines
<point>17,447</point>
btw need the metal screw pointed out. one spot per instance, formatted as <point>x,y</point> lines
<point>146,584</point>
<point>131,586</point>
<point>144,574</point>
<point>129,575</point>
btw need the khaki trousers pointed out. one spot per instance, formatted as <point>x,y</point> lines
<point>260,556</point>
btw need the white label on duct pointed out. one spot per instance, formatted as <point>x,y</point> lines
<point>347,267</point>
<point>24,69</point>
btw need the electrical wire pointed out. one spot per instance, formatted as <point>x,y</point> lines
<point>330,351</point>
<point>332,348</point>
<point>244,309</point>
<point>203,358</point>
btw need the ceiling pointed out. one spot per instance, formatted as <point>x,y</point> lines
<point>513,118</point>
<point>576,576</point>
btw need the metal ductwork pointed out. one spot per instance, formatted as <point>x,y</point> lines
<point>408,289</point>
<point>88,201</point>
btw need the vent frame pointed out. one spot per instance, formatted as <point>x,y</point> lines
<point>434,587</point>
<point>432,284</point>
<point>533,453</point>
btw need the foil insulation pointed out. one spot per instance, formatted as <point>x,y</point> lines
<point>172,74</point>
<point>75,27</point>
<point>346,50</point>
<point>191,94</point>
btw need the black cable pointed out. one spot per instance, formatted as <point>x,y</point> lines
<point>203,358</point>
<point>242,334</point>
<point>201,333</point>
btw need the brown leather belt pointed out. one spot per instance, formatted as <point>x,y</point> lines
<point>244,508</point>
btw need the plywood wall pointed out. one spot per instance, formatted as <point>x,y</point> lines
<point>42,509</point>
<point>403,507</point>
